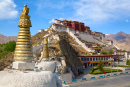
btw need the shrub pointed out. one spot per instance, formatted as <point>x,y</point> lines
<point>128,62</point>
<point>79,55</point>
<point>110,52</point>
<point>100,66</point>
<point>106,70</point>
<point>2,55</point>
<point>10,46</point>
<point>91,71</point>
<point>6,48</point>
<point>103,52</point>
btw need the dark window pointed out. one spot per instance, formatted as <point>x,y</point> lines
<point>102,58</point>
<point>81,59</point>
<point>87,59</point>
<point>84,59</point>
<point>90,59</point>
<point>93,59</point>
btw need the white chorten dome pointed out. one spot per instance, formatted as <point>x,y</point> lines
<point>28,79</point>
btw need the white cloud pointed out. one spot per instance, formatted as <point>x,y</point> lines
<point>127,20</point>
<point>52,21</point>
<point>97,11</point>
<point>60,18</point>
<point>107,34</point>
<point>101,10</point>
<point>7,9</point>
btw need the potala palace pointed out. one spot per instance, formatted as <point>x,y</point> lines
<point>80,33</point>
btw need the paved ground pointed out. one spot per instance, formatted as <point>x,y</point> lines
<point>86,73</point>
<point>117,81</point>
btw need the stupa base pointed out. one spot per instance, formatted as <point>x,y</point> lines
<point>45,59</point>
<point>23,65</point>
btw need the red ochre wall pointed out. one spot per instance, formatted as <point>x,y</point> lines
<point>82,27</point>
<point>76,25</point>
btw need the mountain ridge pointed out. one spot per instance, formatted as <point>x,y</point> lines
<point>121,40</point>
<point>5,39</point>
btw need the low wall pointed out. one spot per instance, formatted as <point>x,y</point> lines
<point>66,77</point>
<point>97,77</point>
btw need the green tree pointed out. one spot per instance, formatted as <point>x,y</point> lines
<point>0,50</point>
<point>100,65</point>
<point>110,52</point>
<point>103,52</point>
<point>2,55</point>
<point>128,62</point>
<point>6,48</point>
<point>10,46</point>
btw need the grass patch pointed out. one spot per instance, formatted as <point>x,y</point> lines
<point>97,71</point>
<point>126,66</point>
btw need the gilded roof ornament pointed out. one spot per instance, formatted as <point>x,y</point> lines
<point>45,49</point>
<point>25,10</point>
<point>45,41</point>
<point>23,50</point>
<point>25,18</point>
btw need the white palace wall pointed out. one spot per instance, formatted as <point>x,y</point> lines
<point>89,38</point>
<point>72,32</point>
<point>83,35</point>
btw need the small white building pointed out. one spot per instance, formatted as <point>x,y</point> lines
<point>125,53</point>
<point>110,42</point>
<point>42,30</point>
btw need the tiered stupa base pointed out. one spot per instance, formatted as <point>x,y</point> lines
<point>23,65</point>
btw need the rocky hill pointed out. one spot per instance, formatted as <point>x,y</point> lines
<point>5,39</point>
<point>7,60</point>
<point>56,47</point>
<point>121,40</point>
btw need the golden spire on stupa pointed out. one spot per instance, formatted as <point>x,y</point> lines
<point>23,50</point>
<point>45,50</point>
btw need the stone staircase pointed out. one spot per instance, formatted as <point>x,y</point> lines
<point>80,42</point>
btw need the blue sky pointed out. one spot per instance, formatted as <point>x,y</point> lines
<point>106,16</point>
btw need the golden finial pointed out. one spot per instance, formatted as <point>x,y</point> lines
<point>25,18</point>
<point>45,41</point>
<point>45,49</point>
<point>25,10</point>
<point>25,5</point>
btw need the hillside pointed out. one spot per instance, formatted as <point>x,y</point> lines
<point>5,39</point>
<point>38,38</point>
<point>121,40</point>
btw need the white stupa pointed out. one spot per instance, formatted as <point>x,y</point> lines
<point>23,75</point>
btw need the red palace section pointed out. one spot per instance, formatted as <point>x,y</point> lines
<point>78,26</point>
